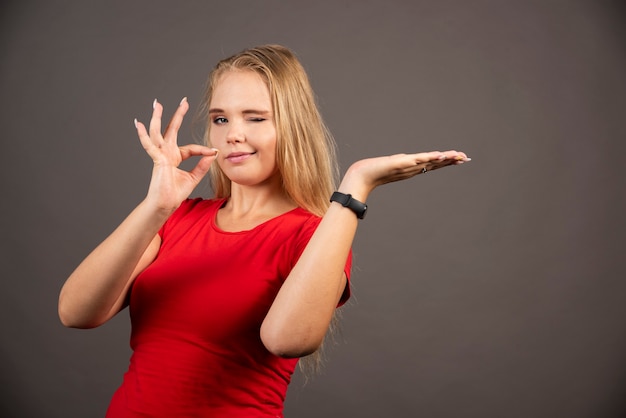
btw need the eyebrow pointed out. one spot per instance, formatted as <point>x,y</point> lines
<point>245,112</point>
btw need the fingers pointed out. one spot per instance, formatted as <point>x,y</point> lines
<point>195,150</point>
<point>171,132</point>
<point>413,164</point>
<point>202,167</point>
<point>155,124</point>
<point>144,138</point>
<point>457,156</point>
<point>443,159</point>
<point>200,170</point>
<point>151,137</point>
<point>416,163</point>
<point>435,156</point>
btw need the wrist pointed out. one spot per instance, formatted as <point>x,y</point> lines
<point>155,211</point>
<point>353,185</point>
<point>347,201</point>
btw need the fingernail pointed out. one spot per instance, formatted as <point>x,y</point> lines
<point>468,159</point>
<point>183,101</point>
<point>216,150</point>
<point>442,157</point>
<point>135,122</point>
<point>154,103</point>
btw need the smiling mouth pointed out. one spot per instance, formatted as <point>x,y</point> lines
<point>237,157</point>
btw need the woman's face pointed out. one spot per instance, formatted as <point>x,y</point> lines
<point>242,128</point>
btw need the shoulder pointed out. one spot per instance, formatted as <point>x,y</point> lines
<point>191,211</point>
<point>291,227</point>
<point>300,219</point>
<point>197,206</point>
<point>298,227</point>
<point>199,203</point>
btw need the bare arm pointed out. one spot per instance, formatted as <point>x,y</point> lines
<point>97,289</point>
<point>300,315</point>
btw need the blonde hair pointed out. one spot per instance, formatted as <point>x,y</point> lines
<point>305,150</point>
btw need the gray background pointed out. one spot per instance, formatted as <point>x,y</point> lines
<point>495,289</point>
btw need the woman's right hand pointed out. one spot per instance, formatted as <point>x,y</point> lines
<point>99,286</point>
<point>170,185</point>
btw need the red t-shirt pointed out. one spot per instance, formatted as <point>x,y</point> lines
<point>196,314</point>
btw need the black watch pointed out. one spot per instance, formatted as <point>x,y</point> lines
<point>346,200</point>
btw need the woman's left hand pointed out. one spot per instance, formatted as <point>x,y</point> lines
<point>365,175</point>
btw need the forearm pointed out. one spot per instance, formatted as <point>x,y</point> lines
<point>301,313</point>
<point>95,291</point>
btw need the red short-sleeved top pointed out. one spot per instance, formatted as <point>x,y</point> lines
<point>196,314</point>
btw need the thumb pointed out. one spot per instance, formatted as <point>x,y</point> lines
<point>200,170</point>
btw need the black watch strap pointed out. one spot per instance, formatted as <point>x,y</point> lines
<point>346,200</point>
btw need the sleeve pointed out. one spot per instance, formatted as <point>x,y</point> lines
<point>347,270</point>
<point>178,214</point>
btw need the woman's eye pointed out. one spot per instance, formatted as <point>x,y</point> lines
<point>257,119</point>
<point>219,120</point>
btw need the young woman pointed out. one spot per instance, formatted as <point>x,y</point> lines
<point>226,294</point>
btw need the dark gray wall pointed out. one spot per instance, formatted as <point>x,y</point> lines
<point>495,289</point>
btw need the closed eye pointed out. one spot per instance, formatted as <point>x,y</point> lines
<point>257,119</point>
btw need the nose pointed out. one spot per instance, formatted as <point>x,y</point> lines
<point>235,133</point>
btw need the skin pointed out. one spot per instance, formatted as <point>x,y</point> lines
<point>301,313</point>
<point>243,130</point>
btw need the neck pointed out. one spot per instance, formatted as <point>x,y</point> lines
<point>258,201</point>
<point>241,202</point>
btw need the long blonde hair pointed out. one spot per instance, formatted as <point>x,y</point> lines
<point>305,150</point>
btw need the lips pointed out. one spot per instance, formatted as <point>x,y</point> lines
<point>237,157</point>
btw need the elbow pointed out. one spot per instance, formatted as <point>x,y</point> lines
<point>70,319</point>
<point>66,319</point>
<point>286,344</point>
<point>65,315</point>
<point>287,349</point>
<point>71,322</point>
